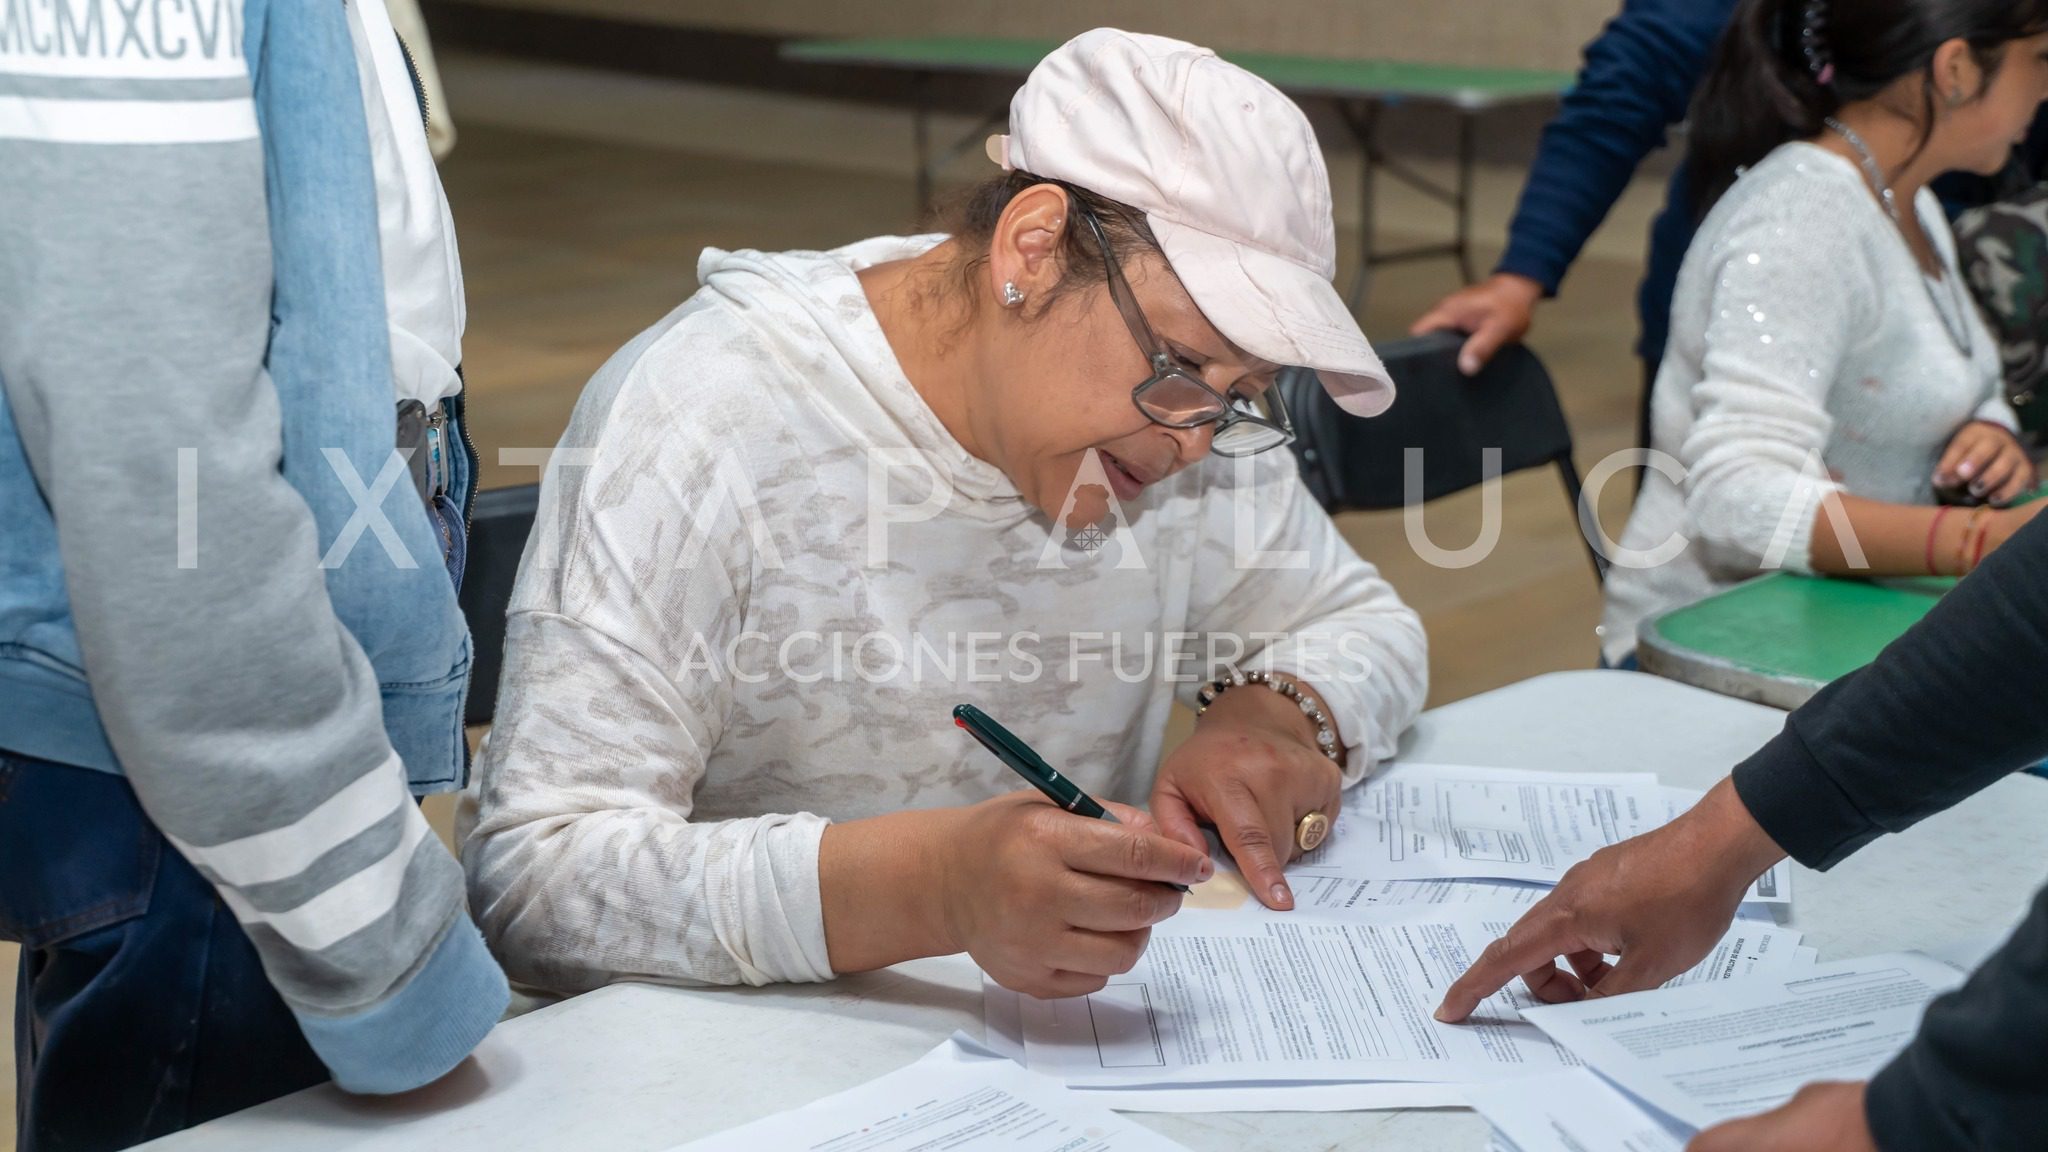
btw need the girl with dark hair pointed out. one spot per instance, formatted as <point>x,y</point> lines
<point>1829,394</point>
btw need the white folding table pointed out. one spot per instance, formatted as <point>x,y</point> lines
<point>638,1068</point>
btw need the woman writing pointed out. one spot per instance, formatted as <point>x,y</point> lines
<point>1827,377</point>
<point>1034,465</point>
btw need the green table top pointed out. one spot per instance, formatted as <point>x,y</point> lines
<point>1306,75</point>
<point>1780,638</point>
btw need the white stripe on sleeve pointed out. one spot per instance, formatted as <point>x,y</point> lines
<point>282,853</point>
<point>346,908</point>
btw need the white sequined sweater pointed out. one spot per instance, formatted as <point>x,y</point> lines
<point>765,574</point>
<point>1807,355</point>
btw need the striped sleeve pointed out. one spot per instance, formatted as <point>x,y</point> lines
<point>135,284</point>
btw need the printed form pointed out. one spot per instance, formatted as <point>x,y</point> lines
<point>1439,821</point>
<point>1703,1055</point>
<point>1571,1111</point>
<point>1449,822</point>
<point>960,1097</point>
<point>1247,999</point>
<point>1349,898</point>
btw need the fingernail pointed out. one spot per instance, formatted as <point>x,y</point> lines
<point>1282,896</point>
<point>1966,469</point>
<point>1207,869</point>
<point>1442,1015</point>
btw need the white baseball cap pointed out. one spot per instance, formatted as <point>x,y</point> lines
<point>1228,174</point>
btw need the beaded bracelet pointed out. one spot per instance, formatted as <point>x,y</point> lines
<point>1326,736</point>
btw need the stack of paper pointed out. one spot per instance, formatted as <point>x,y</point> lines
<point>1676,1060</point>
<point>1266,1005</point>
<point>960,1097</point>
<point>1573,1111</point>
<point>1435,822</point>
<point>1330,1007</point>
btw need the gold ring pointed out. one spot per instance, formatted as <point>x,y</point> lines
<point>1313,829</point>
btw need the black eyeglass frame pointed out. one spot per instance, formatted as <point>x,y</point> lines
<point>1166,366</point>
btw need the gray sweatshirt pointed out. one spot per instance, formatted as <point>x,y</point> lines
<point>136,278</point>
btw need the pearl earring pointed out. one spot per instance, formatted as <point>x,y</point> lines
<point>1012,295</point>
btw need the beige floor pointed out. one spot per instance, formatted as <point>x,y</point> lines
<point>573,243</point>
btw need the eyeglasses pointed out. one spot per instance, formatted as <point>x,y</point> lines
<point>1175,394</point>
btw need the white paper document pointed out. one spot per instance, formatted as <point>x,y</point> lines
<point>1571,1111</point>
<point>961,1098</point>
<point>1350,898</point>
<point>1704,1055</point>
<point>1443,821</point>
<point>1244,999</point>
<point>1004,1014</point>
<point>1360,1096</point>
<point>1439,822</point>
<point>1345,896</point>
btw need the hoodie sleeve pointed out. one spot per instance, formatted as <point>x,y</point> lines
<point>1274,579</point>
<point>586,861</point>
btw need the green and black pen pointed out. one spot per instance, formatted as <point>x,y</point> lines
<point>1031,766</point>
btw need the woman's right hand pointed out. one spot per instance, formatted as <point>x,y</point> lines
<point>1052,904</point>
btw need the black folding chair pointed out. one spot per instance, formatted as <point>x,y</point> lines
<point>1356,464</point>
<point>500,521</point>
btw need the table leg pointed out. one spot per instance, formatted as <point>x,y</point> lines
<point>1362,117</point>
<point>1467,157</point>
<point>921,141</point>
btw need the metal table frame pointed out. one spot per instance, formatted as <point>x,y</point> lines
<point>1362,113</point>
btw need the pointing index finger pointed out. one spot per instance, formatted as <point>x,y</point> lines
<point>1535,941</point>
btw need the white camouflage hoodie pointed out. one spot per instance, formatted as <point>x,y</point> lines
<point>772,573</point>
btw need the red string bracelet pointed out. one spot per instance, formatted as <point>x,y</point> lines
<point>1964,565</point>
<point>1933,529</point>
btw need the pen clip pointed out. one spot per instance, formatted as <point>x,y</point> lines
<point>999,740</point>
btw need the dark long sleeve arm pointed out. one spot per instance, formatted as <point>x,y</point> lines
<point>1637,81</point>
<point>1947,709</point>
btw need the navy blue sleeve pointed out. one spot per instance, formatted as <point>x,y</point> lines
<point>1637,81</point>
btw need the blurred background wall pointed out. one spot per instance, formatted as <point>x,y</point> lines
<point>1498,33</point>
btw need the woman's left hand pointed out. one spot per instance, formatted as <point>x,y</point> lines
<point>1252,770</point>
<point>1824,1117</point>
<point>1986,460</point>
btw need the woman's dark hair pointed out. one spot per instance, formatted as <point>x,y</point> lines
<point>971,220</point>
<point>1784,66</point>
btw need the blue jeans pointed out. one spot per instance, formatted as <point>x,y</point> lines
<point>141,1008</point>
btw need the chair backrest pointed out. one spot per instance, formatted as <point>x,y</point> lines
<point>500,520</point>
<point>1352,463</point>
